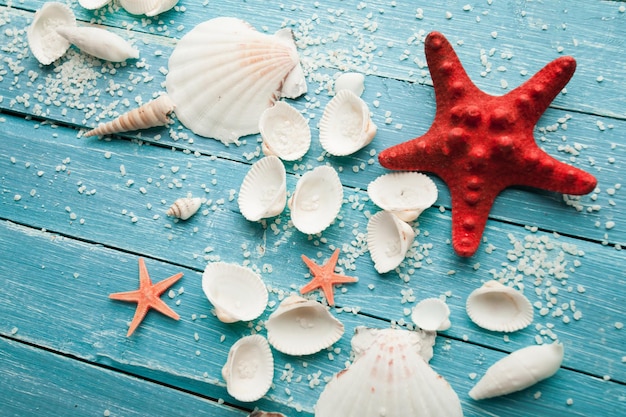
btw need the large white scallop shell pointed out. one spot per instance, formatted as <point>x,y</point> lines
<point>353,81</point>
<point>431,314</point>
<point>223,74</point>
<point>345,126</point>
<point>406,194</point>
<point>185,207</point>
<point>499,308</point>
<point>519,370</point>
<point>285,132</point>
<point>237,293</point>
<point>388,240</point>
<point>302,327</point>
<point>147,7</point>
<point>46,44</point>
<point>99,42</point>
<point>249,369</point>
<point>316,201</point>
<point>263,192</point>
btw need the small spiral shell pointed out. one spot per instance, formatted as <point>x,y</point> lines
<point>184,208</point>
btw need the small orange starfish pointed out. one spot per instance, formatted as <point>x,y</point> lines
<point>147,296</point>
<point>324,277</point>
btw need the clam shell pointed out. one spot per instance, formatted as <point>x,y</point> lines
<point>302,327</point>
<point>263,192</point>
<point>406,194</point>
<point>499,308</point>
<point>43,39</point>
<point>93,4</point>
<point>345,126</point>
<point>98,42</point>
<point>316,201</point>
<point>237,293</point>
<point>352,81</point>
<point>388,240</point>
<point>285,132</point>
<point>184,208</point>
<point>147,7</point>
<point>223,74</point>
<point>431,314</point>
<point>249,369</point>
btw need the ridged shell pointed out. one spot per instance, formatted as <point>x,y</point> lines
<point>388,240</point>
<point>302,327</point>
<point>249,369</point>
<point>93,4</point>
<point>285,132</point>
<point>345,126</point>
<point>431,314</point>
<point>316,201</point>
<point>352,81</point>
<point>263,192</point>
<point>223,74</point>
<point>406,194</point>
<point>519,370</point>
<point>499,308</point>
<point>185,207</point>
<point>259,413</point>
<point>237,293</point>
<point>147,7</point>
<point>100,43</point>
<point>44,41</point>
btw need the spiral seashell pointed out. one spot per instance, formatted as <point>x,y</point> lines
<point>93,4</point>
<point>99,42</point>
<point>499,308</point>
<point>263,192</point>
<point>405,194</point>
<point>147,7</point>
<point>352,81</point>
<point>285,132</point>
<point>388,240</point>
<point>249,369</point>
<point>46,44</point>
<point>431,314</point>
<point>153,113</point>
<point>184,208</point>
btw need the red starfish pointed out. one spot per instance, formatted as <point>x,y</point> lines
<point>480,144</point>
<point>147,296</point>
<point>324,277</point>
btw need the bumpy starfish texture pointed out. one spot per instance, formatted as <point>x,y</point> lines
<point>324,277</point>
<point>147,296</point>
<point>480,144</point>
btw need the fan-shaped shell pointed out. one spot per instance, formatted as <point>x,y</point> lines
<point>388,240</point>
<point>223,74</point>
<point>249,369</point>
<point>93,4</point>
<point>147,7</point>
<point>352,81</point>
<point>46,44</point>
<point>285,132</point>
<point>431,314</point>
<point>263,192</point>
<point>406,194</point>
<point>302,327</point>
<point>237,293</point>
<point>316,201</point>
<point>185,207</point>
<point>500,308</point>
<point>99,42</point>
<point>346,126</point>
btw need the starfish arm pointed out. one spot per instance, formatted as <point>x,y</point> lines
<point>126,296</point>
<point>327,288</point>
<point>144,277</point>
<point>160,306</point>
<point>415,155</point>
<point>554,175</point>
<point>140,314</point>
<point>343,279</point>
<point>314,284</point>
<point>160,287</point>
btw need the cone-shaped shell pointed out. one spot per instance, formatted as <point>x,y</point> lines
<point>388,240</point>
<point>352,81</point>
<point>263,192</point>
<point>147,7</point>
<point>405,194</point>
<point>184,208</point>
<point>499,308</point>
<point>46,44</point>
<point>249,369</point>
<point>519,370</point>
<point>302,327</point>
<point>93,4</point>
<point>237,293</point>
<point>431,314</point>
<point>100,43</point>
<point>285,132</point>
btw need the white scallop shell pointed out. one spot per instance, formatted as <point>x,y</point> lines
<point>431,314</point>
<point>237,293</point>
<point>184,208</point>
<point>388,240</point>
<point>316,201</point>
<point>352,81</point>
<point>99,42</point>
<point>389,378</point>
<point>345,126</point>
<point>499,308</point>
<point>93,4</point>
<point>44,41</point>
<point>519,370</point>
<point>285,132</point>
<point>147,7</point>
<point>302,327</point>
<point>263,192</point>
<point>223,74</point>
<point>406,194</point>
<point>249,369</point>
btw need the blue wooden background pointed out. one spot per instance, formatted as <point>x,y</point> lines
<point>78,212</point>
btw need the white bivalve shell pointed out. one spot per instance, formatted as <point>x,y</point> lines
<point>499,308</point>
<point>223,74</point>
<point>431,314</point>
<point>147,7</point>
<point>46,44</point>
<point>302,327</point>
<point>352,81</point>
<point>249,369</point>
<point>285,132</point>
<point>346,126</point>
<point>93,4</point>
<point>519,370</point>
<point>388,240</point>
<point>316,201</point>
<point>237,293</point>
<point>405,194</point>
<point>100,43</point>
<point>185,207</point>
<point>263,192</point>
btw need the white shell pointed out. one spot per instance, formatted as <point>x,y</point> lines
<point>153,113</point>
<point>249,369</point>
<point>431,314</point>
<point>389,378</point>
<point>388,240</point>
<point>263,192</point>
<point>100,43</point>
<point>237,293</point>
<point>499,308</point>
<point>147,7</point>
<point>223,74</point>
<point>44,41</point>
<point>406,194</point>
<point>345,126</point>
<point>184,208</point>
<point>302,327</point>
<point>285,132</point>
<point>352,81</point>
<point>93,4</point>
<point>316,201</point>
<point>519,370</point>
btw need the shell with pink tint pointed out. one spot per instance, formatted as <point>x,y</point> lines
<point>388,240</point>
<point>263,192</point>
<point>497,307</point>
<point>249,369</point>
<point>405,194</point>
<point>285,132</point>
